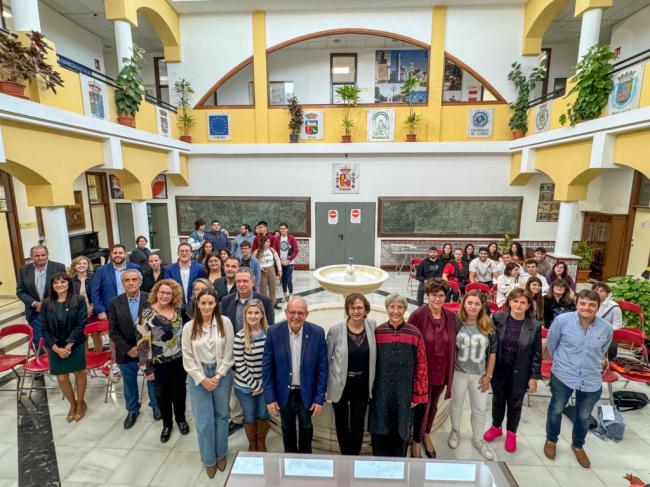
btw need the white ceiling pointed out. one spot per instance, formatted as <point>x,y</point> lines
<point>90,15</point>
<point>565,28</point>
<point>356,41</point>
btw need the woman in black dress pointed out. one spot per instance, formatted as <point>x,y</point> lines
<point>63,318</point>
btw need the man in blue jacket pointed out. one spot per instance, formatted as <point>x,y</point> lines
<point>107,280</point>
<point>294,374</point>
<point>218,237</point>
<point>185,271</point>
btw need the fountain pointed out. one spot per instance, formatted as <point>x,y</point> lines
<point>344,279</point>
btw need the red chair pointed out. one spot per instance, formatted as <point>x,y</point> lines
<point>484,288</point>
<point>635,343</point>
<point>609,377</point>
<point>413,267</point>
<point>546,364</point>
<point>37,366</point>
<point>454,286</point>
<point>96,360</point>
<point>494,307</point>
<point>453,307</point>
<point>11,361</point>
<point>633,308</point>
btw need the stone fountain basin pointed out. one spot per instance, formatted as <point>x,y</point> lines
<point>368,279</point>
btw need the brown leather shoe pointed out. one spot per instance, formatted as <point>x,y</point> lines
<point>581,456</point>
<point>550,450</point>
<point>221,464</point>
<point>211,471</point>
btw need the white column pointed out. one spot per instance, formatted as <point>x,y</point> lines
<point>56,234</point>
<point>565,227</point>
<point>123,42</point>
<point>589,30</point>
<point>140,219</point>
<point>25,15</point>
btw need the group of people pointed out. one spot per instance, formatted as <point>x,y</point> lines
<point>227,353</point>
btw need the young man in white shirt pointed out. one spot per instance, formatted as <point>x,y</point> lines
<point>482,269</point>
<point>531,271</point>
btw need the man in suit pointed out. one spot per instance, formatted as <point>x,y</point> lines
<point>226,284</point>
<point>33,284</point>
<point>107,280</point>
<point>123,313</point>
<point>185,271</point>
<point>232,305</point>
<point>294,374</point>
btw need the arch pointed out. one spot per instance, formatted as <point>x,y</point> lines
<point>630,150</point>
<point>330,32</point>
<point>538,15</point>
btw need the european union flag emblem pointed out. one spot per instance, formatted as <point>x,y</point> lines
<point>219,126</point>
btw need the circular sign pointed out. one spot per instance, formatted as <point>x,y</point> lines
<point>333,214</point>
<point>356,213</point>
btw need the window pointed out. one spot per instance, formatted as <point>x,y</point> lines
<point>162,81</point>
<point>461,84</point>
<point>343,71</point>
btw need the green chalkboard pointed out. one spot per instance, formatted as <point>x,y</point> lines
<point>233,211</point>
<point>453,217</point>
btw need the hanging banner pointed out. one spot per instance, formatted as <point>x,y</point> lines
<point>355,215</point>
<point>162,118</point>
<point>479,123</point>
<point>381,125</point>
<point>542,117</point>
<point>627,90</point>
<point>345,178</point>
<point>332,217</point>
<point>219,126</point>
<point>95,97</point>
<point>312,126</point>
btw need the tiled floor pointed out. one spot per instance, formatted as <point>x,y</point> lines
<point>98,451</point>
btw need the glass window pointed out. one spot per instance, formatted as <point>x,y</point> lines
<point>460,85</point>
<point>343,71</point>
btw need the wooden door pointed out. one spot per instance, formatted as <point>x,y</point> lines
<point>606,234</point>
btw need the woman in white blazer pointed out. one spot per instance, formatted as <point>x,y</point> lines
<point>351,352</point>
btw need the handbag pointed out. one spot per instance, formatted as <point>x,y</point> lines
<point>630,400</point>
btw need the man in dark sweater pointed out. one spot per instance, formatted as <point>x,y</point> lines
<point>427,269</point>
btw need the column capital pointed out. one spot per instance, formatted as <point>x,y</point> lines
<point>583,6</point>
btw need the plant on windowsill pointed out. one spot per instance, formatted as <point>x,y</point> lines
<point>586,253</point>
<point>25,63</point>
<point>129,92</point>
<point>295,119</point>
<point>524,85</point>
<point>184,119</point>
<point>593,83</point>
<point>349,96</point>
<point>412,120</point>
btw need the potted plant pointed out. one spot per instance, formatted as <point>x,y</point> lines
<point>593,84</point>
<point>505,244</point>
<point>129,92</point>
<point>349,96</point>
<point>586,253</point>
<point>184,119</point>
<point>412,120</point>
<point>637,291</point>
<point>524,85</point>
<point>295,119</point>
<point>25,63</point>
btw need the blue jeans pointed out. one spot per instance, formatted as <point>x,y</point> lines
<point>585,402</point>
<point>253,407</point>
<point>36,328</point>
<point>211,410</point>
<point>287,272</point>
<point>129,372</point>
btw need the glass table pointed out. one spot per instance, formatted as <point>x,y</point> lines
<point>252,469</point>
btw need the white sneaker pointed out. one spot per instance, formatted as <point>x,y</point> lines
<point>483,449</point>
<point>454,439</point>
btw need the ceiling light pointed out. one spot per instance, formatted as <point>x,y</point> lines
<point>341,70</point>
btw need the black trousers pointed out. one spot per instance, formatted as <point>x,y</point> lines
<point>390,445</point>
<point>292,410</point>
<point>170,390</point>
<point>350,415</point>
<point>420,297</point>
<point>506,401</point>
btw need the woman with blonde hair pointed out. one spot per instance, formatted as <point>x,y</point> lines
<point>476,351</point>
<point>208,358</point>
<point>81,272</point>
<point>270,266</point>
<point>158,335</point>
<point>248,351</point>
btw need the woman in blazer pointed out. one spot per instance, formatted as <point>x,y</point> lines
<point>81,272</point>
<point>519,361</point>
<point>352,353</point>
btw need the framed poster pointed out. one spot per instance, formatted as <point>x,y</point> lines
<point>312,126</point>
<point>74,214</point>
<point>479,123</point>
<point>548,209</point>
<point>95,97</point>
<point>116,187</point>
<point>219,126</point>
<point>159,187</point>
<point>393,67</point>
<point>163,121</point>
<point>345,178</point>
<point>627,90</point>
<point>381,125</point>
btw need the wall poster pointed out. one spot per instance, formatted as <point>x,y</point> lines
<point>381,125</point>
<point>480,122</point>
<point>548,209</point>
<point>159,187</point>
<point>95,97</point>
<point>312,126</point>
<point>219,126</point>
<point>393,67</point>
<point>345,178</point>
<point>116,187</point>
<point>627,90</point>
<point>74,214</point>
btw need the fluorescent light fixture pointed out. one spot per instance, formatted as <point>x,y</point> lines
<point>341,70</point>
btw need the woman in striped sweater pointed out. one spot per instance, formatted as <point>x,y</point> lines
<point>248,350</point>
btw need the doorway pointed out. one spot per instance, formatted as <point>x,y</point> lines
<point>10,238</point>
<point>639,258</point>
<point>100,209</point>
<point>159,230</point>
<point>606,234</point>
<point>124,213</point>
<point>345,230</point>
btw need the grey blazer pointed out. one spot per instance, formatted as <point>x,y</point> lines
<point>337,355</point>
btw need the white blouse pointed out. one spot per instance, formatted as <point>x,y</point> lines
<point>209,348</point>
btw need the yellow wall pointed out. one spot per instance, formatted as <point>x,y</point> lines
<point>537,17</point>
<point>631,149</point>
<point>242,126</point>
<point>7,276</point>
<point>454,122</point>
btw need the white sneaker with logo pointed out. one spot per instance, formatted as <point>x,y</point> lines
<point>483,448</point>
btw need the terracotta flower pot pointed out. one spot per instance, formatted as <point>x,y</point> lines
<point>411,137</point>
<point>346,139</point>
<point>186,138</point>
<point>518,134</point>
<point>583,275</point>
<point>293,138</point>
<point>128,121</point>
<point>13,89</point>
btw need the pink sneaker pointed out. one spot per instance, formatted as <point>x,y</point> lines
<point>511,441</point>
<point>492,433</point>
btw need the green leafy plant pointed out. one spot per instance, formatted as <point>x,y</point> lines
<point>505,244</point>
<point>637,291</point>
<point>129,92</point>
<point>20,62</point>
<point>407,90</point>
<point>586,253</point>
<point>349,96</point>
<point>593,84</point>
<point>184,92</point>
<point>295,115</point>
<point>524,85</point>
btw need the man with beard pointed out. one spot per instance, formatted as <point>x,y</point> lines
<point>107,281</point>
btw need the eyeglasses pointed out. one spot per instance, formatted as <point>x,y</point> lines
<point>437,297</point>
<point>357,308</point>
<point>165,293</point>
